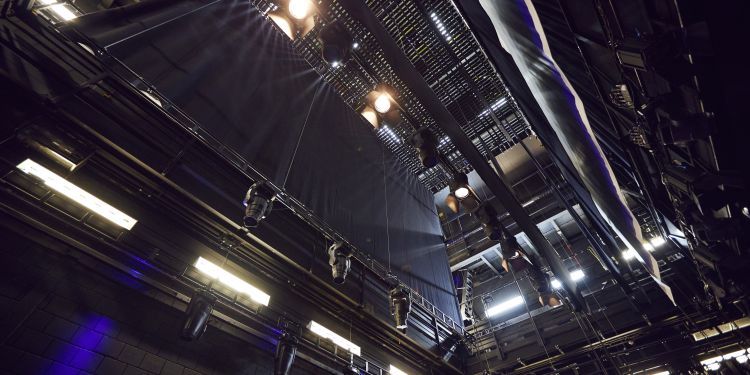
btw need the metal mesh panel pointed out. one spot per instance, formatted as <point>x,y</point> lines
<point>439,44</point>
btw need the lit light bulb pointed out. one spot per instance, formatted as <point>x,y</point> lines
<point>299,9</point>
<point>462,192</point>
<point>383,103</point>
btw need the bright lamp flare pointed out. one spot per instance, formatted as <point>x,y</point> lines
<point>383,103</point>
<point>462,192</point>
<point>299,9</point>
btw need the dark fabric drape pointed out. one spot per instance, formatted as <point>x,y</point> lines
<point>225,65</point>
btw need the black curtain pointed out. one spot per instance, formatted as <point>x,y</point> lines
<point>225,65</point>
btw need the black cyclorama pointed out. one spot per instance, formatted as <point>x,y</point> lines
<point>372,187</point>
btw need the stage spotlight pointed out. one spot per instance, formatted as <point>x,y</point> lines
<point>258,202</point>
<point>426,144</point>
<point>336,43</point>
<point>339,257</point>
<point>297,20</point>
<point>487,215</point>
<point>286,350</point>
<point>300,9</point>
<point>400,306</point>
<point>382,102</point>
<point>197,314</point>
<point>460,186</point>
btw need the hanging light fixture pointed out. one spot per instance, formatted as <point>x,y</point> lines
<point>296,19</point>
<point>424,141</point>
<point>400,306</point>
<point>258,202</point>
<point>286,351</point>
<point>459,185</point>
<point>336,43</point>
<point>197,315</point>
<point>339,257</point>
<point>487,215</point>
<point>379,107</point>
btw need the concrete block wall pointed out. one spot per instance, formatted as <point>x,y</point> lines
<point>59,317</point>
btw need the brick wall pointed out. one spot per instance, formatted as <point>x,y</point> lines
<point>59,317</point>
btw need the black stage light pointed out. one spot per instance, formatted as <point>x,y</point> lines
<point>336,43</point>
<point>197,315</point>
<point>339,257</point>
<point>400,306</point>
<point>459,186</point>
<point>258,202</point>
<point>286,350</point>
<point>426,144</point>
<point>487,215</point>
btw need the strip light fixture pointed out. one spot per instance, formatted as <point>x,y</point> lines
<point>232,281</point>
<point>393,370</point>
<point>505,306</point>
<point>77,194</point>
<point>326,333</point>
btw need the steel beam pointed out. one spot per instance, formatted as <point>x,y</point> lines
<point>499,187</point>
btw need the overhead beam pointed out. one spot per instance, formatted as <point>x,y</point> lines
<point>488,264</point>
<point>499,187</point>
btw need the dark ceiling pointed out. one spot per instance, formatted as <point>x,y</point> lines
<point>626,325</point>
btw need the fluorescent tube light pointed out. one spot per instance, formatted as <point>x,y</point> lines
<point>556,284</point>
<point>577,275</point>
<point>63,11</point>
<point>326,333</point>
<point>232,281</point>
<point>77,194</point>
<point>393,370</point>
<point>504,306</point>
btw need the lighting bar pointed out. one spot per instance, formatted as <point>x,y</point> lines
<point>231,281</point>
<point>77,194</point>
<point>393,370</point>
<point>556,284</point>
<point>504,306</point>
<point>661,373</point>
<point>326,333</point>
<point>577,275</point>
<point>441,27</point>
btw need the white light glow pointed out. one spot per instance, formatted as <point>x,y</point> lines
<point>714,366</point>
<point>232,281</point>
<point>504,306</point>
<point>628,254</point>
<point>63,11</point>
<point>326,333</point>
<point>577,275</point>
<point>657,241</point>
<point>371,116</point>
<point>283,24</point>
<point>299,9</point>
<point>391,134</point>
<point>335,64</point>
<point>742,359</point>
<point>355,45</point>
<point>393,370</point>
<point>556,284</point>
<point>383,103</point>
<point>77,194</point>
<point>462,192</point>
<point>497,104</point>
<point>440,26</point>
<point>661,373</point>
